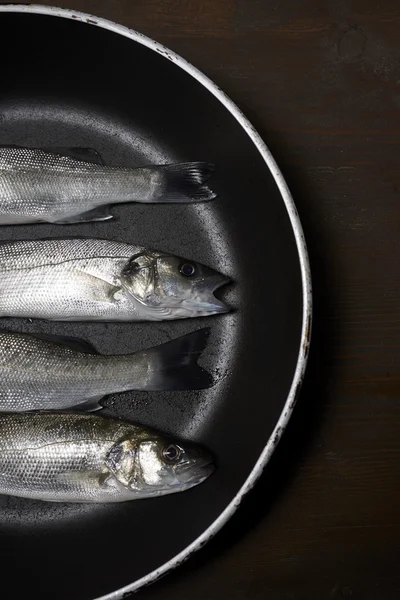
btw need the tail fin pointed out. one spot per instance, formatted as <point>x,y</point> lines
<point>185,182</point>
<point>173,365</point>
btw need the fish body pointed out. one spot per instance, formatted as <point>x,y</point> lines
<point>67,457</point>
<point>100,280</point>
<point>39,186</point>
<point>47,374</point>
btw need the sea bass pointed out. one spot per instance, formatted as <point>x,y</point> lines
<point>39,186</point>
<point>100,280</point>
<point>42,373</point>
<point>67,457</point>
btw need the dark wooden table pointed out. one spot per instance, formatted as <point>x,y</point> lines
<point>321,82</point>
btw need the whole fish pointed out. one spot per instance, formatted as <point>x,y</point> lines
<point>39,373</point>
<point>100,280</point>
<point>67,457</point>
<point>40,186</point>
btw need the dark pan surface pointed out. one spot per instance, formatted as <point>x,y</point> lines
<point>70,84</point>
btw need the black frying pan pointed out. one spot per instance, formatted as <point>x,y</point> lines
<point>78,81</point>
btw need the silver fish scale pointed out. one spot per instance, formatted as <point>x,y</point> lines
<point>37,374</point>
<point>27,470</point>
<point>71,279</point>
<point>34,159</point>
<point>60,459</point>
<point>40,186</point>
<point>39,253</point>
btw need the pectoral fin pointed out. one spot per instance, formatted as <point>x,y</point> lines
<point>89,405</point>
<point>93,292</point>
<point>100,213</point>
<point>84,478</point>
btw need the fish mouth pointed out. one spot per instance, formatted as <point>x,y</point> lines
<point>213,304</point>
<point>196,470</point>
<point>199,474</point>
<point>206,471</point>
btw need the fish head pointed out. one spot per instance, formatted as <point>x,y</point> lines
<point>174,288</point>
<point>157,465</point>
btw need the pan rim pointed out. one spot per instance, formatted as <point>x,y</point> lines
<point>298,376</point>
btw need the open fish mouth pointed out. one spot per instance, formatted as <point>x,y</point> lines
<point>218,304</point>
<point>213,304</point>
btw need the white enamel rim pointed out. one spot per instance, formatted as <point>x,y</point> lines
<point>303,260</point>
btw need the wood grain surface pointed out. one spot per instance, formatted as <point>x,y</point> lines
<point>321,83</point>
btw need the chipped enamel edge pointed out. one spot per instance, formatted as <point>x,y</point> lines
<point>304,267</point>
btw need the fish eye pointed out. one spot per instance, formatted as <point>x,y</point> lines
<point>171,453</point>
<point>187,269</point>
